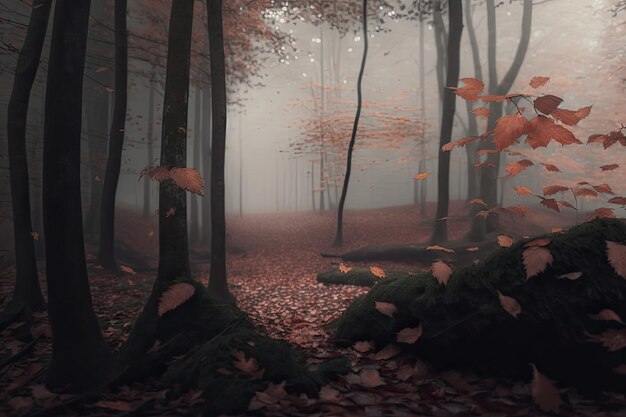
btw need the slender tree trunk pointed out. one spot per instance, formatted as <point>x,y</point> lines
<point>80,357</point>
<point>322,103</point>
<point>346,180</point>
<point>455,15</point>
<point>206,167</point>
<point>27,295</point>
<point>150,144</point>
<point>194,233</point>
<point>218,285</point>
<point>422,162</point>
<point>173,244</point>
<point>240,168</point>
<point>106,255</point>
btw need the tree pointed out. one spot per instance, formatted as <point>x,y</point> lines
<point>106,255</point>
<point>80,356</point>
<point>27,295</point>
<point>453,62</point>
<point>173,244</point>
<point>218,286</point>
<point>346,180</point>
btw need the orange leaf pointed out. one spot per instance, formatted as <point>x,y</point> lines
<point>174,296</point>
<point>409,335</point>
<point>508,129</point>
<point>616,253</point>
<point>127,269</point>
<point>471,90</point>
<point>492,98</point>
<point>510,305</point>
<point>345,269</point>
<point>521,190</point>
<point>571,117</point>
<point>553,189</point>
<point>387,309</point>
<point>536,259</point>
<point>437,247</point>
<point>543,130</point>
<point>477,201</point>
<point>618,200</point>
<point>377,272</point>
<point>421,176</point>
<point>539,242</point>
<point>538,81</point>
<point>370,378</point>
<point>550,203</point>
<point>544,392</point>
<point>547,104</point>
<point>516,167</point>
<point>441,271</point>
<point>363,346</point>
<point>505,241</point>
<point>572,276</point>
<point>551,168</point>
<point>481,112</point>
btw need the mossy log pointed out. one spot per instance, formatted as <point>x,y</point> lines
<point>357,275</point>
<point>417,254</point>
<point>214,348</point>
<point>464,324</point>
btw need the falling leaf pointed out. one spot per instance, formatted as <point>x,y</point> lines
<point>508,129</point>
<point>97,178</point>
<point>377,272</point>
<point>516,167</point>
<point>170,212</point>
<point>421,176</point>
<point>479,201</point>
<point>481,112</point>
<point>471,90</point>
<point>538,81</point>
<point>571,117</point>
<point>544,392</point>
<point>441,248</point>
<point>441,271</point>
<point>551,167</point>
<point>345,269</point>
<point>547,104</point>
<point>188,179</point>
<point>607,315</point>
<point>572,276</point>
<point>536,260</point>
<point>521,190</point>
<point>409,335</point>
<point>611,339</point>
<point>505,241</point>
<point>616,252</point>
<point>387,309</point>
<point>35,235</point>
<point>553,189</point>
<point>618,200</point>
<point>550,203</point>
<point>543,130</point>
<point>370,378</point>
<point>510,305</point>
<point>174,296</point>
<point>127,269</point>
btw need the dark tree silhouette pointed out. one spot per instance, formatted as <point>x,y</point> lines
<point>205,236</point>
<point>80,357</point>
<point>455,16</point>
<point>106,254</point>
<point>346,180</point>
<point>27,295</point>
<point>173,244</point>
<point>218,286</point>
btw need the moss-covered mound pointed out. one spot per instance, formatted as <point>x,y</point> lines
<point>558,329</point>
<point>359,276</point>
<point>214,348</point>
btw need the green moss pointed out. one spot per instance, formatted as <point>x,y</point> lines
<point>464,324</point>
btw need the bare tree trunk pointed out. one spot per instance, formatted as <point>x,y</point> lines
<point>27,295</point>
<point>218,285</point>
<point>106,255</point>
<point>206,168</point>
<point>346,180</point>
<point>173,244</point>
<point>455,16</point>
<point>194,232</point>
<point>80,357</point>
<point>150,144</point>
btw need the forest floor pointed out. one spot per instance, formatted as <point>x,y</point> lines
<point>273,262</point>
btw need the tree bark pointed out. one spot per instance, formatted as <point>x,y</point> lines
<point>106,254</point>
<point>206,168</point>
<point>80,357</point>
<point>346,180</point>
<point>194,212</point>
<point>218,286</point>
<point>173,244</point>
<point>455,16</point>
<point>27,295</point>
<point>150,144</point>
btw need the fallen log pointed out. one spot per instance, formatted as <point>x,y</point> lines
<point>558,302</point>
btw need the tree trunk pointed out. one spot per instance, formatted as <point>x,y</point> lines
<point>194,232</point>
<point>27,295</point>
<point>150,144</point>
<point>422,161</point>
<point>106,254</point>
<point>80,357</point>
<point>206,168</point>
<point>489,176</point>
<point>346,180</point>
<point>218,286</point>
<point>173,244</point>
<point>455,16</point>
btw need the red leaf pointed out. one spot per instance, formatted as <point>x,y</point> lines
<point>609,167</point>
<point>471,90</point>
<point>571,117</point>
<point>441,271</point>
<point>547,104</point>
<point>387,309</point>
<point>505,241</point>
<point>616,253</point>
<point>536,260</point>
<point>510,305</point>
<point>538,81</point>
<point>544,392</point>
<point>508,129</point>
<point>543,130</point>
<point>174,296</point>
<point>409,335</point>
<point>553,189</point>
<point>481,112</point>
<point>521,190</point>
<point>551,168</point>
<point>516,167</point>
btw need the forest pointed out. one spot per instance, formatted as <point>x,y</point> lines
<point>312,208</point>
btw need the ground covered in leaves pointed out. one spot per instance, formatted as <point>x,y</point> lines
<point>273,263</point>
